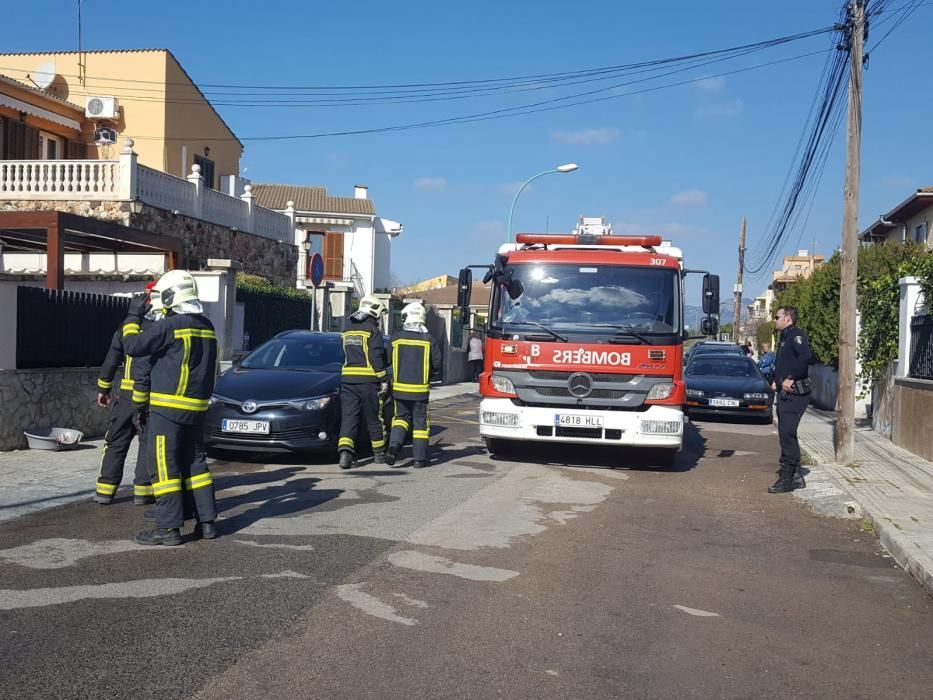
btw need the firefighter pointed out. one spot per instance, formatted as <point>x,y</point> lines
<point>183,352</point>
<point>363,373</point>
<point>127,411</point>
<point>415,358</point>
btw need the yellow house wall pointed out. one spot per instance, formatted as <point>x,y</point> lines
<point>190,116</point>
<point>160,108</point>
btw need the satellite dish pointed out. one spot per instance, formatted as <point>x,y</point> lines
<point>44,75</point>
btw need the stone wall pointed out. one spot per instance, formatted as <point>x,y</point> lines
<point>257,255</point>
<point>42,398</point>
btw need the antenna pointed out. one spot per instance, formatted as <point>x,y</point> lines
<point>82,69</point>
<point>44,75</point>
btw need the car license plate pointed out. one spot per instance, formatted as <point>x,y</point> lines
<point>729,403</point>
<point>229,425</point>
<point>576,420</point>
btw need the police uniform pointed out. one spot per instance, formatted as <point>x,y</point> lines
<point>792,362</point>
<point>415,357</point>
<point>183,353</point>
<point>131,395</point>
<point>364,370</point>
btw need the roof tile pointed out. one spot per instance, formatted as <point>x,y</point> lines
<point>309,199</point>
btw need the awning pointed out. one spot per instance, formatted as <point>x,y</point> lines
<point>20,106</point>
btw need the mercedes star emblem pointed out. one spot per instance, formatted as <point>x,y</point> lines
<point>580,385</point>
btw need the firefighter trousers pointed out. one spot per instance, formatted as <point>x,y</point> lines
<point>120,434</point>
<point>181,481</point>
<point>412,415</point>
<point>356,400</point>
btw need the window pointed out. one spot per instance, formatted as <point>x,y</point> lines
<point>920,233</point>
<point>50,146</point>
<point>207,170</point>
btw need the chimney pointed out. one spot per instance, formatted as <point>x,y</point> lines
<point>803,253</point>
<point>361,191</point>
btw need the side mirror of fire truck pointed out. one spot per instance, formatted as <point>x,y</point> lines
<point>464,291</point>
<point>710,294</point>
<point>709,326</point>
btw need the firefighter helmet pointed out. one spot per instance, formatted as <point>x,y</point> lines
<point>173,288</point>
<point>414,313</point>
<point>371,306</point>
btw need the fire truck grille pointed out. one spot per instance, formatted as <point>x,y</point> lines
<point>554,375</point>
<point>591,433</point>
<point>595,394</point>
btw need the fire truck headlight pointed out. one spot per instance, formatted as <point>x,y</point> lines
<point>502,384</point>
<point>660,391</point>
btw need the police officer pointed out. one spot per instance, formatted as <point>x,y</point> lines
<point>792,387</point>
<point>127,411</point>
<point>364,371</point>
<point>415,357</point>
<point>183,352</point>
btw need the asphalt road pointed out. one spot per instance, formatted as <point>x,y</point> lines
<point>542,575</point>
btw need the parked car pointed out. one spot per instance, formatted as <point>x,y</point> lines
<point>712,346</point>
<point>283,396</point>
<point>727,384</point>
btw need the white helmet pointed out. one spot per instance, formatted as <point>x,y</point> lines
<point>371,306</point>
<point>173,288</point>
<point>414,313</point>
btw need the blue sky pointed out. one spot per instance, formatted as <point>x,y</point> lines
<point>688,162</point>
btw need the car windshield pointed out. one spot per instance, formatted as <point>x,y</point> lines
<point>572,295</point>
<point>722,367</point>
<point>727,349</point>
<point>296,353</point>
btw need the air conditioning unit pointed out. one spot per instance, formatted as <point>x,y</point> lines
<point>101,107</point>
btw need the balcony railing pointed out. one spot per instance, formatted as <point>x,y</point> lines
<point>126,180</point>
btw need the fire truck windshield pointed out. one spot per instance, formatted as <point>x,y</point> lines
<point>590,298</point>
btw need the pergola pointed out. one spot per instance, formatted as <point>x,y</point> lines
<point>57,232</point>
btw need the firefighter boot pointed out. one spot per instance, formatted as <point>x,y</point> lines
<point>418,464</point>
<point>785,481</point>
<point>392,454</point>
<point>143,500</point>
<point>205,530</point>
<point>346,459</point>
<point>170,537</point>
<point>102,499</point>
<point>379,457</point>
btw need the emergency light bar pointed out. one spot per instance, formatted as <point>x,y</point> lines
<point>587,239</point>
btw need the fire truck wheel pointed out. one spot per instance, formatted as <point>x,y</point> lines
<point>495,446</point>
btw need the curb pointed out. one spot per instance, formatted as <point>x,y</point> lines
<point>894,541</point>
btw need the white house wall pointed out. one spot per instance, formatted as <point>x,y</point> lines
<point>382,275</point>
<point>359,250</point>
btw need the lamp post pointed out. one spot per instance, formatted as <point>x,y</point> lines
<point>566,168</point>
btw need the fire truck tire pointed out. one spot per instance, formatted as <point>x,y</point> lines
<point>495,446</point>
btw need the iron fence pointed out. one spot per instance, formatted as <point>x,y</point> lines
<point>266,314</point>
<point>60,328</point>
<point>921,347</point>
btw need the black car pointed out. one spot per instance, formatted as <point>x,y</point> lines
<point>705,347</point>
<point>727,384</point>
<point>283,396</point>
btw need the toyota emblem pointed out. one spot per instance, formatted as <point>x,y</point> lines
<point>249,406</point>
<point>580,385</point>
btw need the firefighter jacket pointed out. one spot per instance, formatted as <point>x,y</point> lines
<point>183,354</point>
<point>416,359</point>
<point>135,381</point>
<point>364,355</point>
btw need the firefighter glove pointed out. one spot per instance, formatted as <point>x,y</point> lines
<point>139,305</point>
<point>141,418</point>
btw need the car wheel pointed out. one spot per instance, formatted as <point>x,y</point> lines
<point>495,446</point>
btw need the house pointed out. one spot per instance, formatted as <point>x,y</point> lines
<point>141,94</point>
<point>346,231</point>
<point>438,282</point>
<point>99,174</point>
<point>795,267</point>
<point>908,222</point>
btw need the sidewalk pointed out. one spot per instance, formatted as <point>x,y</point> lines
<point>893,487</point>
<point>34,480</point>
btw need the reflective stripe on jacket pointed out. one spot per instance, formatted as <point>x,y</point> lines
<point>364,355</point>
<point>415,359</point>
<point>183,353</point>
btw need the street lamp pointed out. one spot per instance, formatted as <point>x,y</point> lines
<point>566,168</point>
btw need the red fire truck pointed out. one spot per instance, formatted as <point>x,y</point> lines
<point>584,340</point>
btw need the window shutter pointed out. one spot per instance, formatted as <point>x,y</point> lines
<point>333,256</point>
<point>31,143</point>
<point>75,150</point>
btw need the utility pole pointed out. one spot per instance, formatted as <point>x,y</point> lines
<point>845,401</point>
<point>737,316</point>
